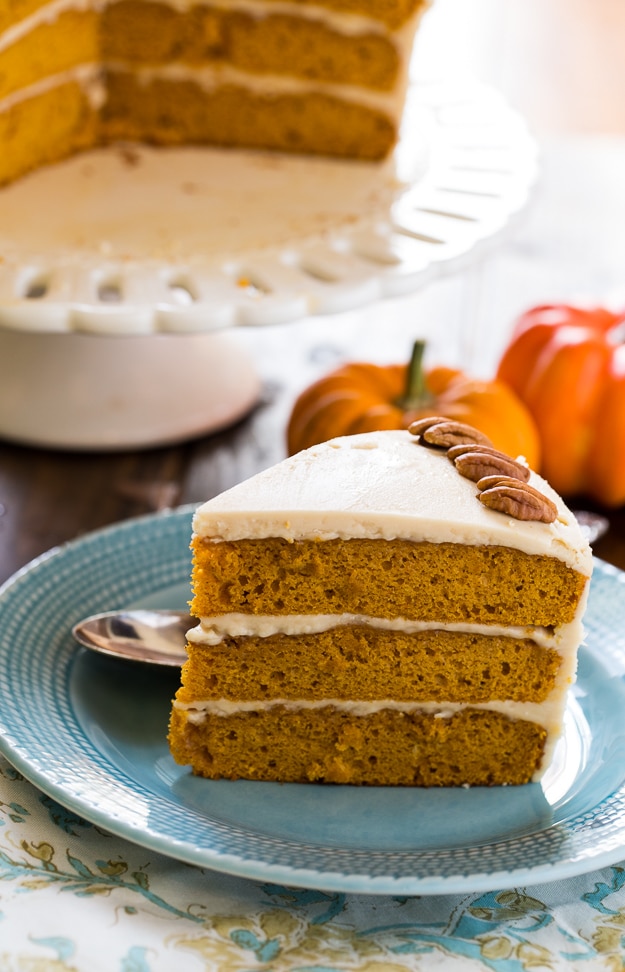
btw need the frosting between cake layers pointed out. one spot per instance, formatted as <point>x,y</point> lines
<point>547,714</point>
<point>214,630</point>
<point>47,14</point>
<point>385,486</point>
<point>209,78</point>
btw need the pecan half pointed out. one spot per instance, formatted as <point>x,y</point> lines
<point>496,480</point>
<point>419,426</point>
<point>520,501</point>
<point>447,433</point>
<point>477,465</point>
<point>459,450</point>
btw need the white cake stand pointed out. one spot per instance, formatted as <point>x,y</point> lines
<point>126,271</point>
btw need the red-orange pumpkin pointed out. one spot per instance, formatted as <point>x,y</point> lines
<point>567,364</point>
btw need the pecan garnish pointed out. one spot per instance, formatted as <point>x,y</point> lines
<point>498,480</point>
<point>477,465</point>
<point>519,500</point>
<point>501,480</point>
<point>444,433</point>
<point>459,450</point>
<point>419,426</point>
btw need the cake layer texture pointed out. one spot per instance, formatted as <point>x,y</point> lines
<point>388,747</point>
<point>385,578</point>
<point>365,662</point>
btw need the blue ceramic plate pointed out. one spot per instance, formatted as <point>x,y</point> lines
<point>90,732</point>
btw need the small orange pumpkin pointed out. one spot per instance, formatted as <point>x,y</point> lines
<point>567,364</point>
<point>365,397</point>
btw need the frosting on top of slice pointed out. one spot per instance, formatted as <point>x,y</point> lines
<point>382,485</point>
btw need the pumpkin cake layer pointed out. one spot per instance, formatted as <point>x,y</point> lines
<point>363,618</point>
<point>425,581</point>
<point>364,662</point>
<point>387,747</point>
<point>177,110</point>
<point>313,77</point>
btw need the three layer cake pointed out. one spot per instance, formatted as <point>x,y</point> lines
<point>370,615</point>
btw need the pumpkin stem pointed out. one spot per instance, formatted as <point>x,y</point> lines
<point>415,394</point>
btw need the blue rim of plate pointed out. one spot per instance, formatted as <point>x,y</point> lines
<point>51,735</point>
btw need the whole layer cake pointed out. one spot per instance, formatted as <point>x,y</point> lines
<point>313,76</point>
<point>366,617</point>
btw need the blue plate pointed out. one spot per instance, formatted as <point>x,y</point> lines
<point>90,732</point>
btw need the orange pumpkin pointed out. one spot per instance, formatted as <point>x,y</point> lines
<point>567,365</point>
<point>364,397</point>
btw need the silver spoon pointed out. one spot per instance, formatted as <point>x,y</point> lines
<point>157,637</point>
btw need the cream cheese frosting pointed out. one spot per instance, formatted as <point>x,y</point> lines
<point>382,485</point>
<point>209,78</point>
<point>214,630</point>
<point>547,714</point>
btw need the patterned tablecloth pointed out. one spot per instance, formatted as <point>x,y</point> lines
<point>72,897</point>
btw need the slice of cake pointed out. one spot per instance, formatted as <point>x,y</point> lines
<point>313,76</point>
<point>387,608</point>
